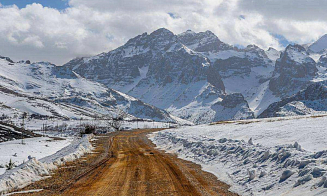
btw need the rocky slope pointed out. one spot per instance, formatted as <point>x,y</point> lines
<point>45,90</point>
<point>294,71</point>
<point>312,100</point>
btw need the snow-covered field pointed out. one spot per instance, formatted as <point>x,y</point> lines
<point>278,156</point>
<point>44,157</point>
<point>38,147</point>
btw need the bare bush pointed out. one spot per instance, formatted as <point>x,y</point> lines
<point>115,121</point>
<point>88,129</point>
<point>10,165</point>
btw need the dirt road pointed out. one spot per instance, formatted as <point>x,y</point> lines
<point>127,163</point>
<point>137,168</point>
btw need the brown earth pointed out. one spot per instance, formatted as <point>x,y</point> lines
<point>133,166</point>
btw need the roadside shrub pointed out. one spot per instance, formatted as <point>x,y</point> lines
<point>10,165</point>
<point>89,129</point>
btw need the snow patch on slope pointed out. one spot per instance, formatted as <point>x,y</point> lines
<point>319,45</point>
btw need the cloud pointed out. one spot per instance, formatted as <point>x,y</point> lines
<point>90,27</point>
<point>301,10</point>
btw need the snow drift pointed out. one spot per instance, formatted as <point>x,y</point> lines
<point>257,157</point>
<point>35,170</point>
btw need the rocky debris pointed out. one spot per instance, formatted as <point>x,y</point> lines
<point>285,175</point>
<point>251,174</point>
<point>303,180</point>
<point>317,172</point>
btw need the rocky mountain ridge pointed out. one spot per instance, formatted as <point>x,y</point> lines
<point>194,76</point>
<point>190,74</point>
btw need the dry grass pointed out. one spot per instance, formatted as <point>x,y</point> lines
<point>222,122</point>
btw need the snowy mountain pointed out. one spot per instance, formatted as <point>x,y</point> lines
<point>191,73</point>
<point>203,41</point>
<point>273,54</point>
<point>320,45</point>
<point>194,76</point>
<point>312,100</point>
<point>162,69</point>
<point>43,89</point>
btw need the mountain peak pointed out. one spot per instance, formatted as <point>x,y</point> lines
<point>320,45</point>
<point>208,32</point>
<point>252,47</point>
<point>203,41</point>
<point>7,59</point>
<point>296,47</point>
<point>189,32</point>
<point>271,49</point>
<point>162,31</point>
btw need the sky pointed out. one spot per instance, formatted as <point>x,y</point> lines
<point>60,30</point>
<point>57,4</point>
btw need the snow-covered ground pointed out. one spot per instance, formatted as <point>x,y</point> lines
<point>278,156</point>
<point>42,161</point>
<point>38,147</point>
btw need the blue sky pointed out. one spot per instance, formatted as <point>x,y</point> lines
<point>282,40</point>
<point>58,4</point>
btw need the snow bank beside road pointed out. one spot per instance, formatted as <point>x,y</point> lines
<point>34,170</point>
<point>273,162</point>
<point>38,147</point>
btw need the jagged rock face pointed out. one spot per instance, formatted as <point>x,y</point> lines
<point>312,100</point>
<point>203,41</point>
<point>213,77</point>
<point>179,66</point>
<point>242,70</point>
<point>240,66</point>
<point>228,104</point>
<point>233,99</point>
<point>323,61</point>
<point>167,60</point>
<point>293,71</point>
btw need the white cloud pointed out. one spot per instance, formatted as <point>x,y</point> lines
<point>91,27</point>
<point>304,10</point>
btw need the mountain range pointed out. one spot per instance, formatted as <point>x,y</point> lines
<point>168,77</point>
